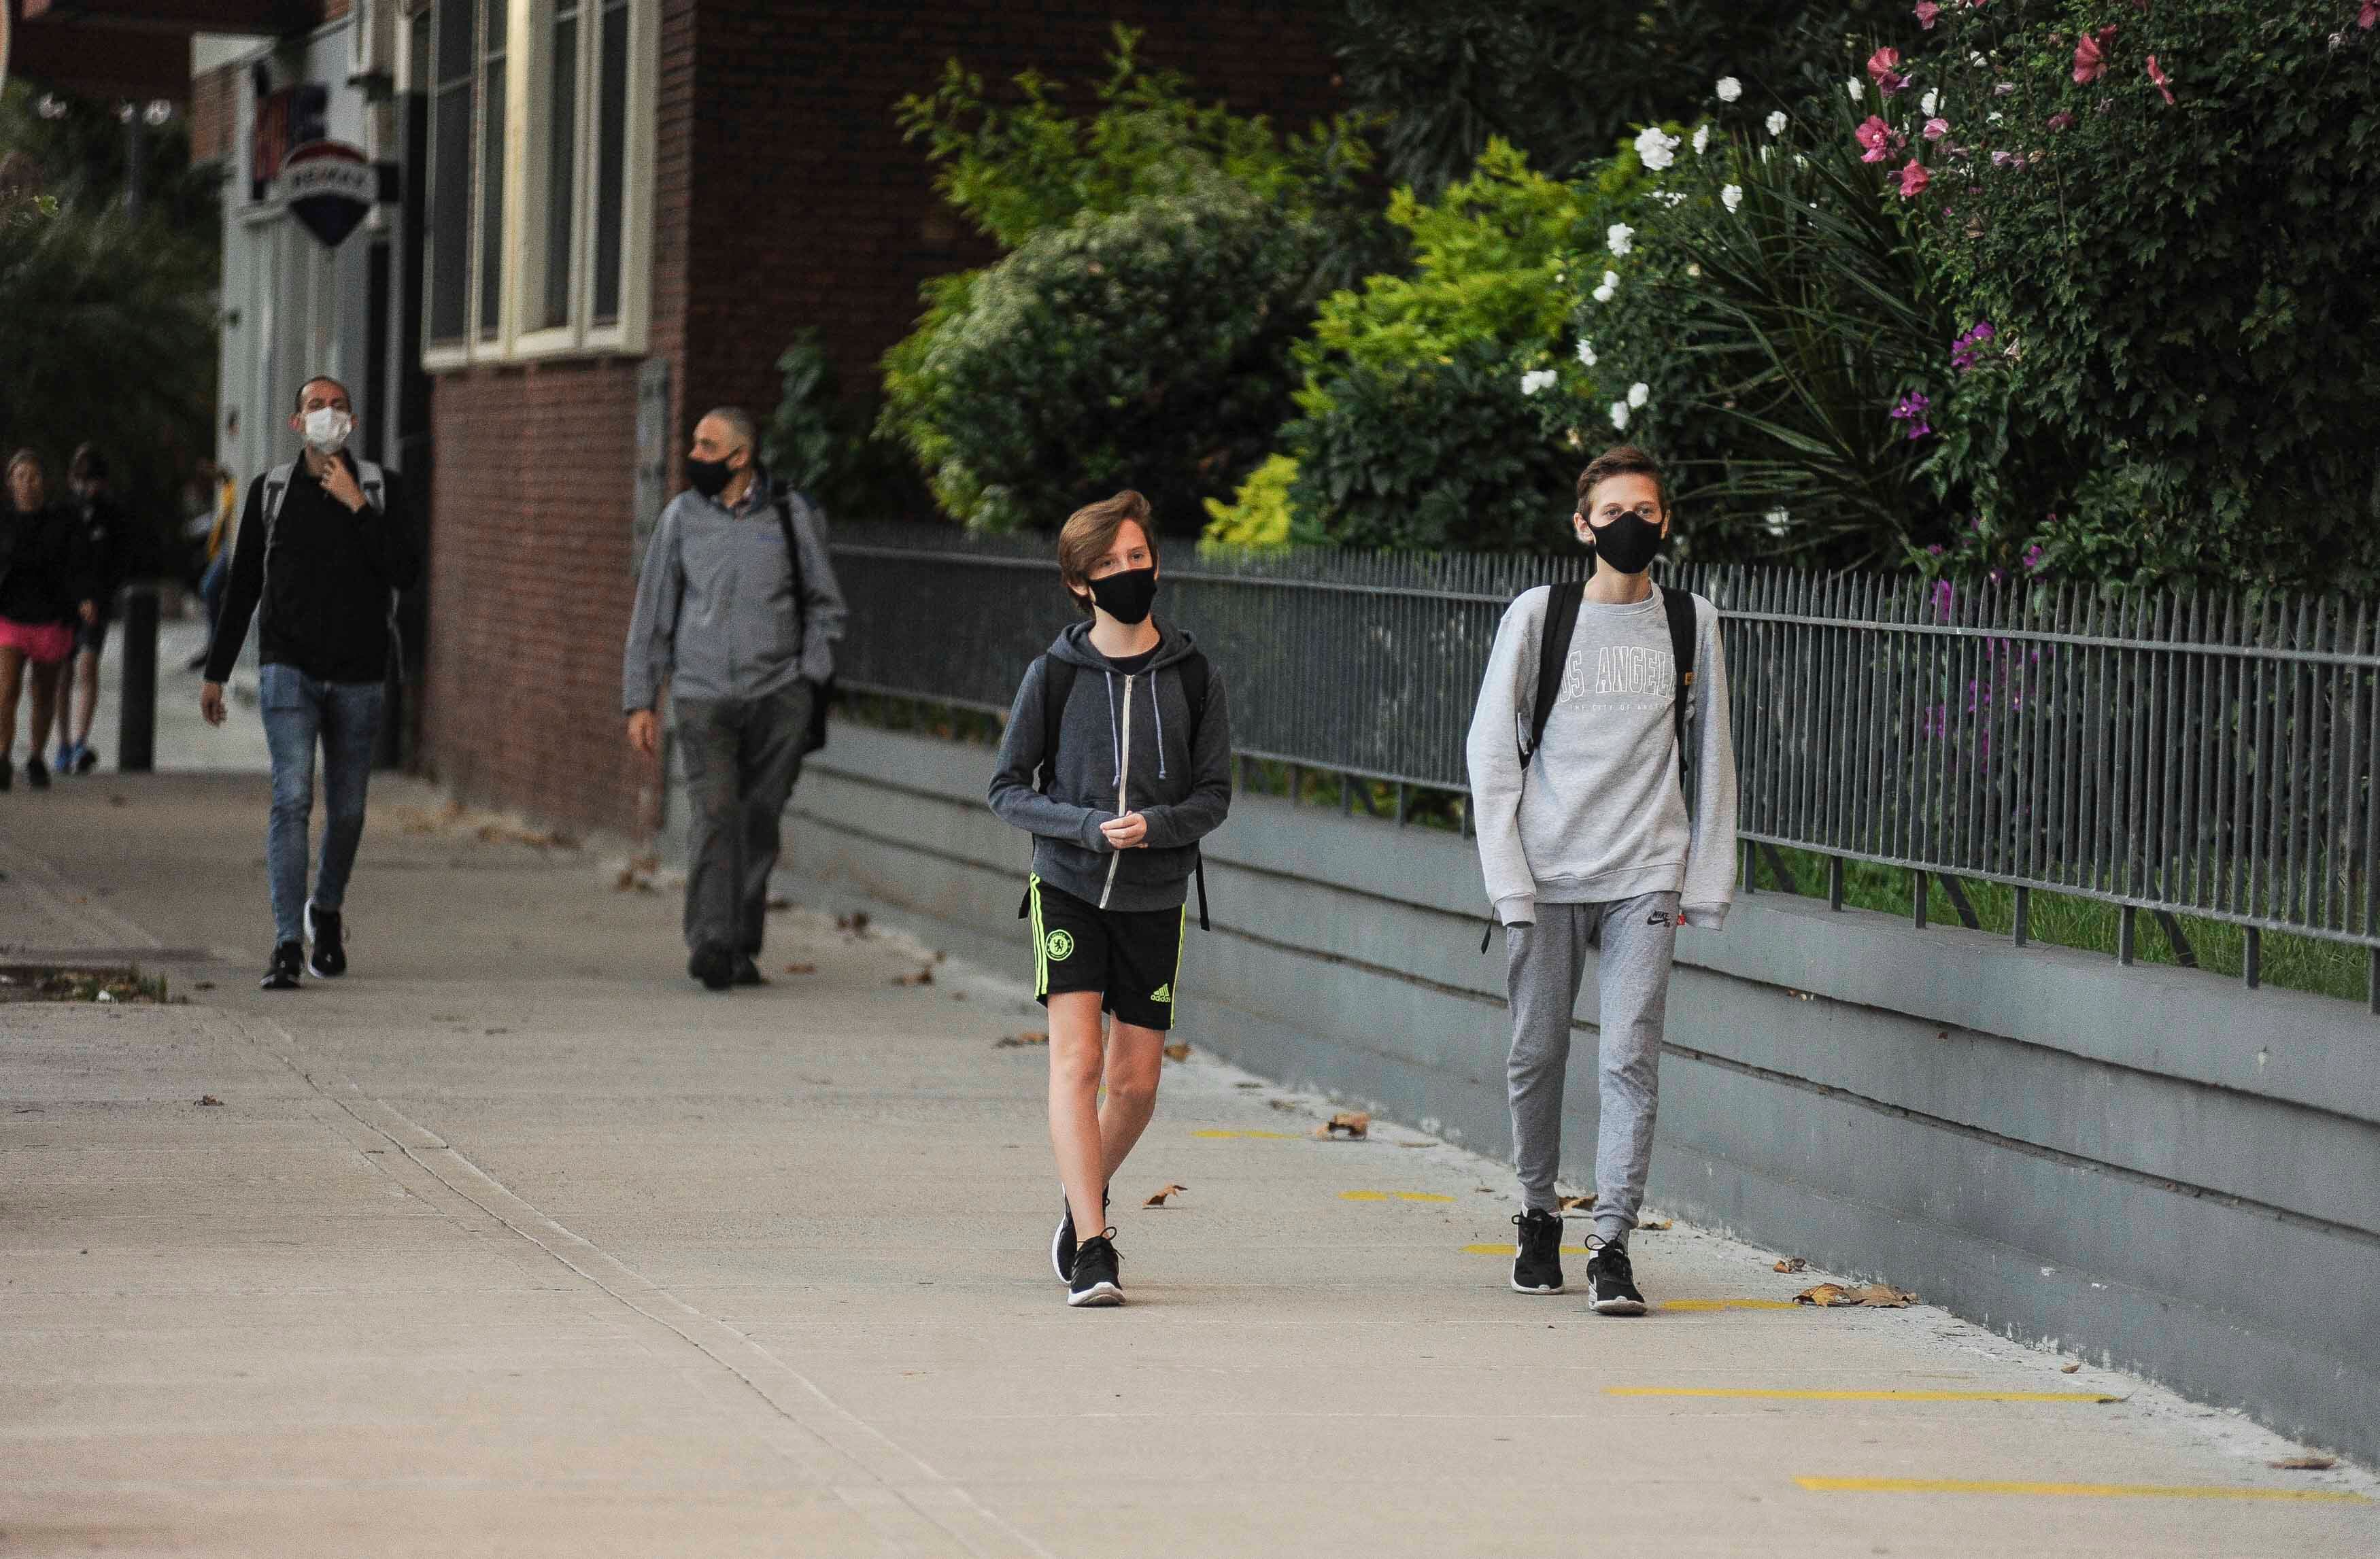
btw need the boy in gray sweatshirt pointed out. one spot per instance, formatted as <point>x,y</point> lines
<point>1589,841</point>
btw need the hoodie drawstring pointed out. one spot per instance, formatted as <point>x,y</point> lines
<point>1158,705</point>
<point>1115,736</point>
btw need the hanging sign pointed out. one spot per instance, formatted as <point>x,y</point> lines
<point>330,187</point>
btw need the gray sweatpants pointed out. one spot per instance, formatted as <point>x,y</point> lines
<point>1544,964</point>
<point>742,756</point>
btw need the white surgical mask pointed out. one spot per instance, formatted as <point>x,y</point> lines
<point>327,428</point>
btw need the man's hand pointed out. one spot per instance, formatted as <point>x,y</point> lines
<point>340,483</point>
<point>645,733</point>
<point>1127,832</point>
<point>211,703</point>
<point>89,610</point>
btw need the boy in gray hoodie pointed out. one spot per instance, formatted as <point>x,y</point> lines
<point>1138,772</point>
<point>1589,840</point>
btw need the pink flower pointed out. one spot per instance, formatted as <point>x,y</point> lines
<point>1928,10</point>
<point>1913,178</point>
<point>2369,17</point>
<point>2061,121</point>
<point>2091,55</point>
<point>1936,128</point>
<point>1884,69</point>
<point>2162,84</point>
<point>1878,138</point>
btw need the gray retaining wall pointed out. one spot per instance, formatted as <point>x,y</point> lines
<point>2150,1166</point>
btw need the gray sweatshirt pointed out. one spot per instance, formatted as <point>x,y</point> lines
<point>1600,815</point>
<point>718,613</point>
<point>1124,745</point>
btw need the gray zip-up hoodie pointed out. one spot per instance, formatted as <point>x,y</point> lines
<point>717,611</point>
<point>1124,745</point>
<point>1598,815</point>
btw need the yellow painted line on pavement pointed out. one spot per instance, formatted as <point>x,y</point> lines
<point>1212,1135</point>
<point>1781,1393</point>
<point>1730,1304</point>
<point>2073,1491</point>
<point>1421,1196</point>
<point>1363,1196</point>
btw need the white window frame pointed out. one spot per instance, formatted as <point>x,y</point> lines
<point>528,127</point>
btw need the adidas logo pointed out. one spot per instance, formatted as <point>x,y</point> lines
<point>1163,993</point>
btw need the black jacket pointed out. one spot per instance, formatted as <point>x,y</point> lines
<point>108,546</point>
<point>44,574</point>
<point>321,593</point>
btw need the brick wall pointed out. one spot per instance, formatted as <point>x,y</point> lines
<point>784,196</point>
<point>214,114</point>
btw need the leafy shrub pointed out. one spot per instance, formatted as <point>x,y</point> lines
<point>2178,272</point>
<point>1258,518</point>
<point>1147,348</point>
<point>825,446</point>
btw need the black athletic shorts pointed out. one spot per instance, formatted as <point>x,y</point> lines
<point>1131,957</point>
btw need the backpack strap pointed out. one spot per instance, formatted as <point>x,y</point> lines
<point>1563,600</point>
<point>1678,605</point>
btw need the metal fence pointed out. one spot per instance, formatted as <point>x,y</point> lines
<point>2171,752</point>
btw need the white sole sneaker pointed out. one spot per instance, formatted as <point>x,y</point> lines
<point>1057,1243</point>
<point>1619,1307</point>
<point>1519,1287</point>
<point>1096,1296</point>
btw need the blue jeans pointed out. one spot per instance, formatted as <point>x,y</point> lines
<point>344,718</point>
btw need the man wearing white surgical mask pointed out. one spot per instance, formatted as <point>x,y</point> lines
<point>324,546</point>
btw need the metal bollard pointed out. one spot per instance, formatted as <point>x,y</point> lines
<point>136,738</point>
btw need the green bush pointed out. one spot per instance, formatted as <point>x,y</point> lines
<point>1147,350</point>
<point>823,444</point>
<point>2186,346</point>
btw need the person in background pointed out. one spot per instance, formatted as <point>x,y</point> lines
<point>45,590</point>
<point>107,544</point>
<point>325,544</point>
<point>739,609</point>
<point>217,525</point>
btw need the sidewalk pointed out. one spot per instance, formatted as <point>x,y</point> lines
<point>514,1243</point>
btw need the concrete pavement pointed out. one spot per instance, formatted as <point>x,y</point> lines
<point>512,1242</point>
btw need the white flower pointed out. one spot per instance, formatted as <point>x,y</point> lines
<point>1536,380</point>
<point>1799,161</point>
<point>1977,60</point>
<point>1763,154</point>
<point>1610,285</point>
<point>1619,415</point>
<point>1858,90</point>
<point>1702,139</point>
<point>1621,237</point>
<point>1776,123</point>
<point>1586,353</point>
<point>1930,101</point>
<point>1778,520</point>
<point>1993,118</point>
<point>1729,88</point>
<point>1694,271</point>
<point>1731,196</point>
<point>1639,393</point>
<point>1656,147</point>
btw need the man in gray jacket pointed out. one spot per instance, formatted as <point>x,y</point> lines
<point>1588,839</point>
<point>739,609</point>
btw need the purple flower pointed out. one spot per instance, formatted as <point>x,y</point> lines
<point>1911,410</point>
<point>2033,556</point>
<point>1944,596</point>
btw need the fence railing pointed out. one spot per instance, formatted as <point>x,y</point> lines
<point>2175,752</point>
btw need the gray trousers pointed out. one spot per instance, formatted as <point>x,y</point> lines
<point>1543,966</point>
<point>742,756</point>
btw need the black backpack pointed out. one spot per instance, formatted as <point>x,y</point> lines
<point>1553,651</point>
<point>823,695</point>
<point>1057,685</point>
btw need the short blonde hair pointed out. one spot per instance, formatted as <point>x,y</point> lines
<point>1088,533</point>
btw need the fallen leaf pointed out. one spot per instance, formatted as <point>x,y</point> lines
<point>1177,1052</point>
<point>2067,1369</point>
<point>1792,1264</point>
<point>1014,1041</point>
<point>801,969</point>
<point>1158,1200</point>
<point>922,977</point>
<point>1881,1296</point>
<point>2306,1464</point>
<point>1349,1124</point>
<point>209,1099</point>
<point>1577,1203</point>
<point>780,902</point>
<point>1824,1294</point>
<point>856,922</point>
<point>1657,1225</point>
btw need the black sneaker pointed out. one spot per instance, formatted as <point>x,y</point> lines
<point>1096,1268</point>
<point>714,965</point>
<point>748,971</point>
<point>7,776</point>
<point>282,973</point>
<point>1536,1267</point>
<point>85,759</point>
<point>37,774</point>
<point>1612,1281</point>
<point>1062,1244</point>
<point>328,934</point>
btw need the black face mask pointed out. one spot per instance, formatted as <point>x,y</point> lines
<point>1628,543</point>
<point>1126,597</point>
<point>708,477</point>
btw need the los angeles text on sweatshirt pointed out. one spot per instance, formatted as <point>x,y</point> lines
<point>1599,814</point>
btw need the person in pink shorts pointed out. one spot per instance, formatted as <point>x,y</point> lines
<point>44,586</point>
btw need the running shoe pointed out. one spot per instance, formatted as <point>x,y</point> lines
<point>37,773</point>
<point>1612,1281</point>
<point>713,963</point>
<point>328,935</point>
<point>1097,1267</point>
<point>1536,1266</point>
<point>282,973</point>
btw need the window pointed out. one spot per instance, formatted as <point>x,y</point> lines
<point>541,140</point>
